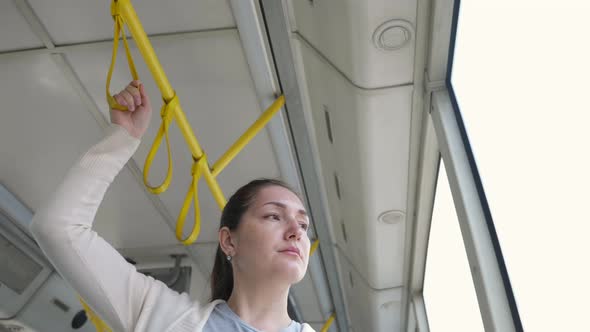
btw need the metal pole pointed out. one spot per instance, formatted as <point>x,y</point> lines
<point>486,267</point>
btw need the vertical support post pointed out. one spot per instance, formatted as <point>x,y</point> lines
<point>485,259</point>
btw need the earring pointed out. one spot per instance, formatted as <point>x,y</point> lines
<point>229,258</point>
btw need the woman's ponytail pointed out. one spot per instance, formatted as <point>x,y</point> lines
<point>222,277</point>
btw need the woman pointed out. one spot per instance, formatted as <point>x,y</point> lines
<point>263,246</point>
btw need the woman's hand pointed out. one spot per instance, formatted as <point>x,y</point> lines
<point>139,110</point>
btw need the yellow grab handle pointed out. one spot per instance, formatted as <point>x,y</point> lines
<point>197,171</point>
<point>200,168</point>
<point>328,323</point>
<point>119,29</point>
<point>167,114</point>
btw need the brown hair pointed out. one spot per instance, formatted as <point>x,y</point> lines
<point>222,279</point>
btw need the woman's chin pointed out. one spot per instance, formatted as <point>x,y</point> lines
<point>291,271</point>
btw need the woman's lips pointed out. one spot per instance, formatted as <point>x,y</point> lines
<point>291,251</point>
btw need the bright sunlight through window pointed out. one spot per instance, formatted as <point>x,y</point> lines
<point>520,74</point>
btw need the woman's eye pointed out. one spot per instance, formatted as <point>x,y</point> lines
<point>304,226</point>
<point>273,216</point>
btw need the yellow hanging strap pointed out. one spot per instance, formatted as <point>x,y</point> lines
<point>197,171</point>
<point>167,115</point>
<point>96,321</point>
<point>119,30</point>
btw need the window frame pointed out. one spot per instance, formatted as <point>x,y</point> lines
<point>496,299</point>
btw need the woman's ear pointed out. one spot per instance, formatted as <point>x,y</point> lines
<point>226,241</point>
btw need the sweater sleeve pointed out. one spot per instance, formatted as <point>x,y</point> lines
<point>121,296</point>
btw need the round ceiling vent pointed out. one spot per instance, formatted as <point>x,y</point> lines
<point>391,217</point>
<point>393,35</point>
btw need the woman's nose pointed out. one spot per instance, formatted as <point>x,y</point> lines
<point>294,230</point>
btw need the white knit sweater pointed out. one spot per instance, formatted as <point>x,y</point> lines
<point>122,297</point>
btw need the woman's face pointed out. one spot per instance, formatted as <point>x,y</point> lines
<point>271,239</point>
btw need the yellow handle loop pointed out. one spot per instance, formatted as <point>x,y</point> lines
<point>96,321</point>
<point>167,113</point>
<point>119,30</point>
<point>198,168</point>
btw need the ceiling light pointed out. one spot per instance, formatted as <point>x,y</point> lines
<point>391,217</point>
<point>393,35</point>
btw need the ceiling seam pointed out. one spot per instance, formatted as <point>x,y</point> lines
<point>307,43</point>
<point>34,22</point>
<point>166,37</point>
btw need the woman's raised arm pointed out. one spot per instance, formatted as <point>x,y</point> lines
<point>119,294</point>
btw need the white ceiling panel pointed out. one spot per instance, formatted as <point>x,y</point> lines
<point>15,32</point>
<point>366,162</point>
<point>41,136</point>
<point>348,32</point>
<point>71,21</point>
<point>211,78</point>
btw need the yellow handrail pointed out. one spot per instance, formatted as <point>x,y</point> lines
<point>247,136</point>
<point>328,323</point>
<point>314,246</point>
<point>124,14</point>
